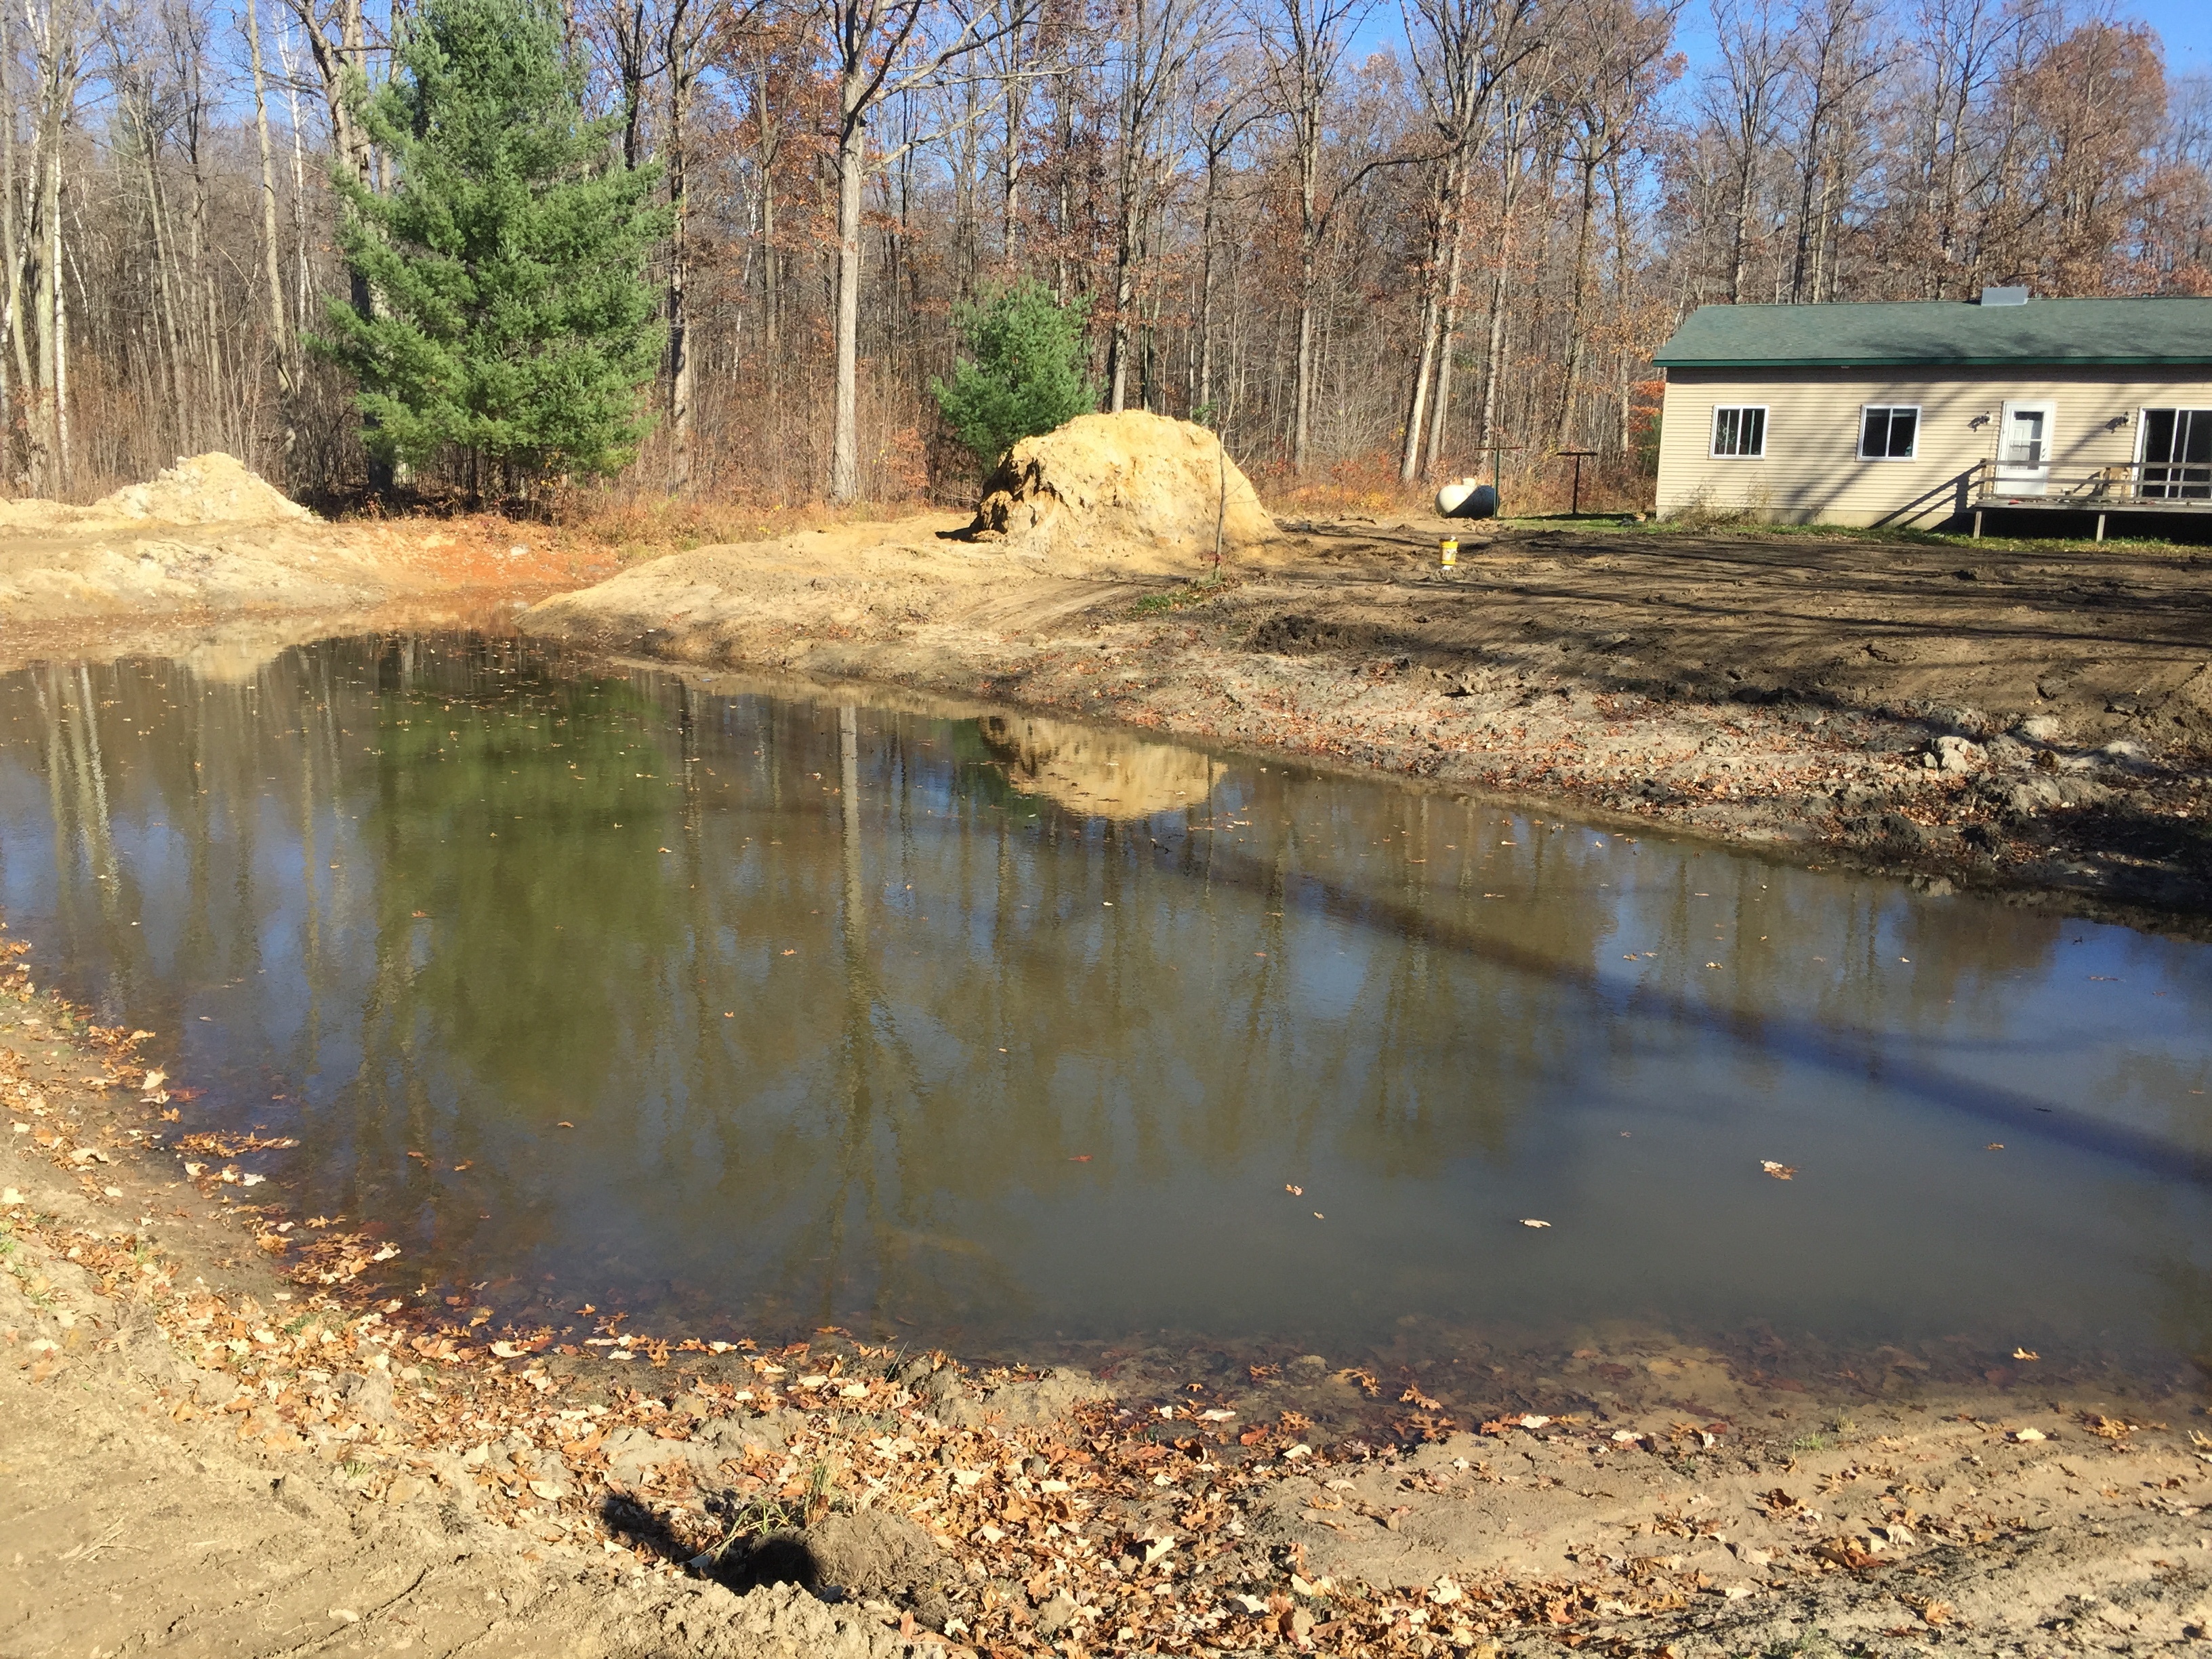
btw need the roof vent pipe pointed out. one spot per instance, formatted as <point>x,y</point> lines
<point>2004,296</point>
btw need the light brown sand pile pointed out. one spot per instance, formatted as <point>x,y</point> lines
<point>211,489</point>
<point>1131,491</point>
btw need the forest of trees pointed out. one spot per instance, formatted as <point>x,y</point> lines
<point>1365,244</point>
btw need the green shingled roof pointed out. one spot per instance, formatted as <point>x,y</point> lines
<point>1910,332</point>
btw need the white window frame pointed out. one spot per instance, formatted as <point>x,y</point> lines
<point>1713,450</point>
<point>1858,444</point>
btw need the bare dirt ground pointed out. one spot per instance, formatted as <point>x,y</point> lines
<point>210,563</point>
<point>2035,720</point>
<point>228,1428</point>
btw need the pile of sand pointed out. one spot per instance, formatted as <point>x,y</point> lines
<point>211,489</point>
<point>1131,491</point>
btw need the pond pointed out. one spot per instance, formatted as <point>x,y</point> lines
<point>753,1008</point>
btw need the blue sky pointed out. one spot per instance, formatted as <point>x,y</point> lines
<point>2185,26</point>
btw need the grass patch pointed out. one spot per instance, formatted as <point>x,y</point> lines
<point>1175,599</point>
<point>768,1513</point>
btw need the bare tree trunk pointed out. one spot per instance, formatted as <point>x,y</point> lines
<point>1441,227</point>
<point>682,40</point>
<point>1577,301</point>
<point>276,330</point>
<point>852,166</point>
<point>60,290</point>
<point>1448,346</point>
<point>10,302</point>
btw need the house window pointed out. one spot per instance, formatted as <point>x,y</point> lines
<point>1888,432</point>
<point>2177,452</point>
<point>1740,430</point>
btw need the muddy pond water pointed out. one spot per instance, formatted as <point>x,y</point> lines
<point>754,1008</point>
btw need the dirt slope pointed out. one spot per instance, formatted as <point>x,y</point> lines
<point>208,561</point>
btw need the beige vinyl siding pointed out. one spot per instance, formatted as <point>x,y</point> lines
<point>1811,472</point>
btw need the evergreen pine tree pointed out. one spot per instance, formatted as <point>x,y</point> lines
<point>1026,375</point>
<point>511,319</point>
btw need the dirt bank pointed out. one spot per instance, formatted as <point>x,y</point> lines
<point>207,558</point>
<point>226,1427</point>
<point>2035,721</point>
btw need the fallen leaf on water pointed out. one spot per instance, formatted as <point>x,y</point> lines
<point>1080,1157</point>
<point>2026,1353</point>
<point>154,1081</point>
<point>1318,1216</point>
<point>465,1163</point>
<point>790,953</point>
<point>1994,1146</point>
<point>564,1124</point>
<point>507,1351</point>
<point>1536,1223</point>
<point>1779,1171</point>
<point>1295,1192</point>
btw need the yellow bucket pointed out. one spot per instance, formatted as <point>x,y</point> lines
<point>1448,552</point>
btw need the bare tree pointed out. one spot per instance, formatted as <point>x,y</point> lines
<point>1156,43</point>
<point>1460,49</point>
<point>878,49</point>
<point>1303,42</point>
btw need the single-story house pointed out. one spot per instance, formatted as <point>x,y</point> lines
<point>1926,413</point>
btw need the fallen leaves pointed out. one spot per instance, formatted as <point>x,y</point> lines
<point>1531,1221</point>
<point>1779,1171</point>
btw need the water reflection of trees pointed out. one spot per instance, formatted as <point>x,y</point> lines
<point>833,996</point>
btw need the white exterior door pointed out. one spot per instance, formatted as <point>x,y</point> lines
<point>2024,448</point>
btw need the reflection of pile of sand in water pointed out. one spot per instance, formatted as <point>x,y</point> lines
<point>211,489</point>
<point>1131,491</point>
<point>1096,773</point>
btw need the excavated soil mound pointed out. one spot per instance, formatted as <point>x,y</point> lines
<point>211,489</point>
<point>1131,491</point>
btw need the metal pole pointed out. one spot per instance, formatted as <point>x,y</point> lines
<point>1574,501</point>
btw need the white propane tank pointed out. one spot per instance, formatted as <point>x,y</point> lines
<point>1463,498</point>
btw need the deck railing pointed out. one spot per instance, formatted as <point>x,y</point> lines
<point>2144,483</point>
